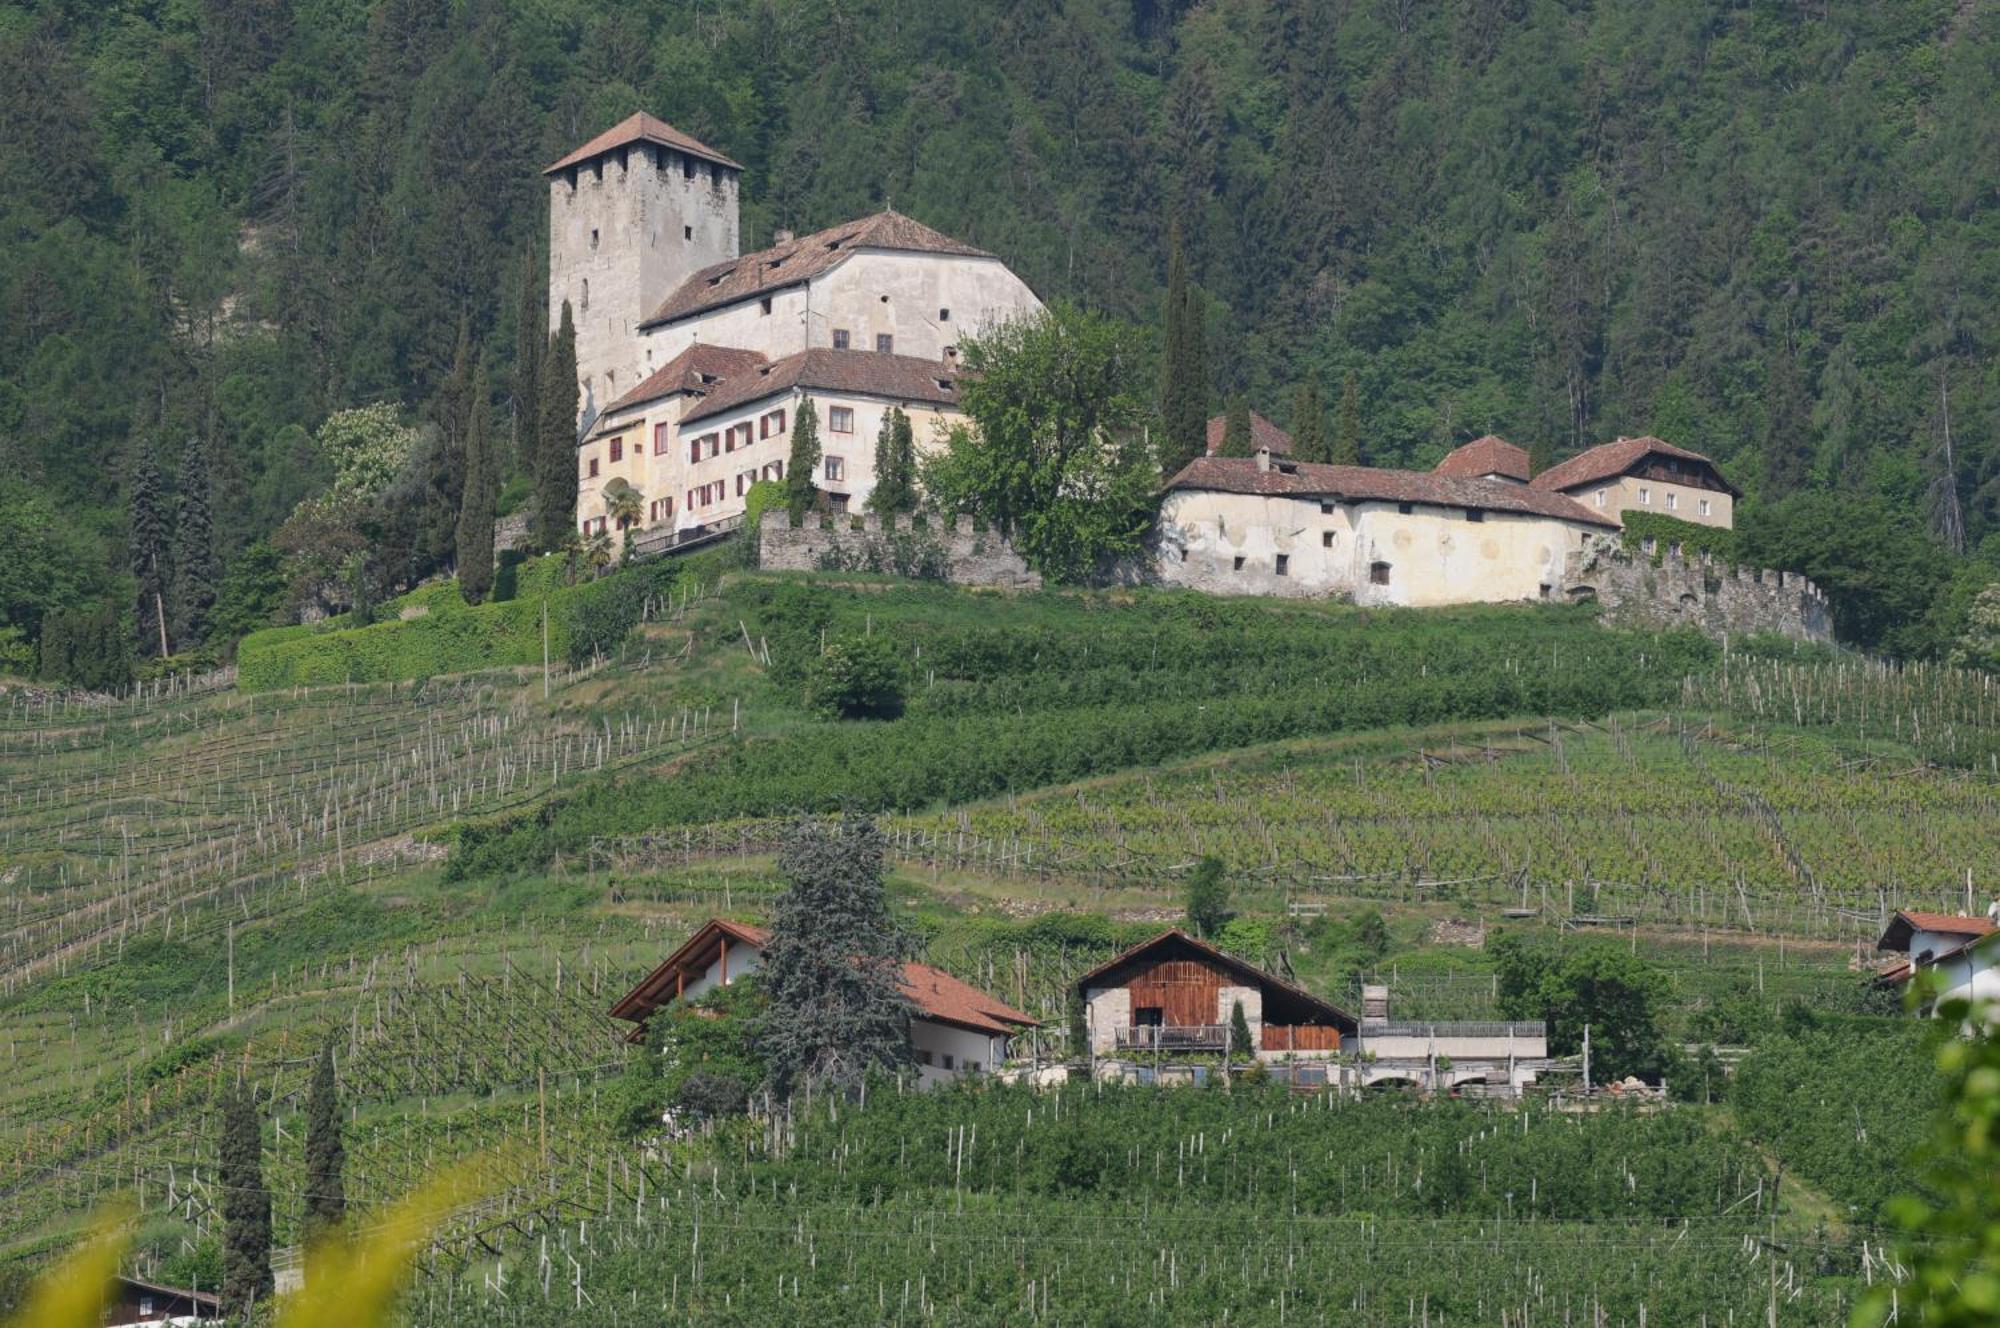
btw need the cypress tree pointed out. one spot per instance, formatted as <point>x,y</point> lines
<point>555,470</point>
<point>326,1155</point>
<point>197,571</point>
<point>1309,441</point>
<point>147,520</point>
<point>246,1206</point>
<point>474,536</point>
<point>531,340</point>
<point>895,465</point>
<point>1184,366</point>
<point>444,484</point>
<point>1347,434</point>
<point>1236,431</point>
<point>799,490</point>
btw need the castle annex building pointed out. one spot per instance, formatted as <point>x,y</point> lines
<point>693,357</point>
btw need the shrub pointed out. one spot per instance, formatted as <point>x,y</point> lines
<point>855,677</point>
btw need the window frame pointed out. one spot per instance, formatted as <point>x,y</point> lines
<point>842,339</point>
<point>835,469</point>
<point>834,415</point>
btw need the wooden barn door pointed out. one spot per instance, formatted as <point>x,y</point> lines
<point>1184,990</point>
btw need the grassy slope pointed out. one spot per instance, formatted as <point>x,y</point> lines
<point>432,980</point>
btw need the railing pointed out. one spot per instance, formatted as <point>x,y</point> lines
<point>660,540</point>
<point>1185,1037</point>
<point>1523,1029</point>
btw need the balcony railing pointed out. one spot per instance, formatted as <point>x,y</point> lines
<point>1183,1037</point>
<point>1522,1029</point>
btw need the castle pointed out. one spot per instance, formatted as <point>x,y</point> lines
<point>693,358</point>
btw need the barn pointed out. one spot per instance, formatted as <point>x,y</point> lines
<point>1176,993</point>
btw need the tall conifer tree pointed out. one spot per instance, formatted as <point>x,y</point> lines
<point>147,524</point>
<point>531,344</point>
<point>197,571</point>
<point>804,460</point>
<point>326,1154</point>
<point>1184,367</point>
<point>1236,431</point>
<point>1347,432</point>
<point>246,1206</point>
<point>444,485</point>
<point>895,465</point>
<point>1309,442</point>
<point>474,536</point>
<point>555,470</point>
<point>1787,442</point>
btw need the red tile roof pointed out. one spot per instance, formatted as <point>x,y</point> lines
<point>862,372</point>
<point>640,128</point>
<point>799,260</point>
<point>1906,923</point>
<point>1491,455</point>
<point>696,369</point>
<point>1306,479</point>
<point>936,994</point>
<point>1263,434</point>
<point>1609,460</point>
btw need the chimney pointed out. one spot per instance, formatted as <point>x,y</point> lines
<point>781,236</point>
<point>1263,458</point>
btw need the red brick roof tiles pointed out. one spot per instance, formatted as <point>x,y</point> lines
<point>1609,460</point>
<point>641,128</point>
<point>800,260</point>
<point>1263,435</point>
<point>1491,455</point>
<point>862,372</point>
<point>699,368</point>
<point>1366,483</point>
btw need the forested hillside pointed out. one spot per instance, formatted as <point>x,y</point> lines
<point>1762,230</point>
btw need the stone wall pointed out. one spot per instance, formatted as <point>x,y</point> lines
<point>943,549</point>
<point>1698,592</point>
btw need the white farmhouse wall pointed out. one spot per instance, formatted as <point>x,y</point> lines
<point>1252,999</point>
<point>946,1051</point>
<point>1106,1010</point>
<point>1226,543</point>
<point>741,960</point>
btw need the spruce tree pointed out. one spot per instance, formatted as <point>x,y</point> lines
<point>1309,442</point>
<point>1347,433</point>
<point>1236,431</point>
<point>474,536</point>
<point>326,1155</point>
<point>555,469</point>
<point>147,522</point>
<point>833,971</point>
<point>197,571</point>
<point>531,341</point>
<point>1787,440</point>
<point>799,468</point>
<point>246,1206</point>
<point>895,465</point>
<point>1183,368</point>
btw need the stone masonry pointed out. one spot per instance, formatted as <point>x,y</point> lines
<point>1699,592</point>
<point>942,549</point>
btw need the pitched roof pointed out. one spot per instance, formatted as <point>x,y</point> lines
<point>641,128</point>
<point>1263,435</point>
<point>1174,936</point>
<point>1608,460</point>
<point>1306,479</point>
<point>865,372</point>
<point>696,369</point>
<point>802,259</point>
<point>1491,455</point>
<point>936,994</point>
<point>1907,922</point>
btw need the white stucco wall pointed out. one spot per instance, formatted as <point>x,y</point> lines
<point>1614,497</point>
<point>969,1052</point>
<point>1435,554</point>
<point>742,960</point>
<point>1105,1011</point>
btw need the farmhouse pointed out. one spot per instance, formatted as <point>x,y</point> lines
<point>694,358</point>
<point>1174,997</point>
<point>133,1302</point>
<point>1957,949</point>
<point>955,1029</point>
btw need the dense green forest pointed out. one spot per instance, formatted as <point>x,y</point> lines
<point>1763,230</point>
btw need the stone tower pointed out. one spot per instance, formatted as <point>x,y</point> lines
<point>633,214</point>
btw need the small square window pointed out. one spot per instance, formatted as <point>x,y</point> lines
<point>1326,539</point>
<point>764,305</point>
<point>884,343</point>
<point>1238,565</point>
<point>687,232</point>
<point>1673,500</point>
<point>950,1062</point>
<point>1326,509</point>
<point>687,167</point>
<point>593,467</point>
<point>944,315</point>
<point>840,419</point>
<point>1284,565</point>
<point>1704,507</point>
<point>1645,497</point>
<point>840,341</point>
<point>1474,514</point>
<point>1547,590</point>
<point>1378,574</point>
<point>1406,508</point>
<point>618,449</point>
<point>593,237</point>
<point>836,468</point>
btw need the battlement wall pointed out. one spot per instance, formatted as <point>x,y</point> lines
<point>1645,588</point>
<point>933,548</point>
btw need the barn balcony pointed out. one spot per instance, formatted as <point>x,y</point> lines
<point>1166,1037</point>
